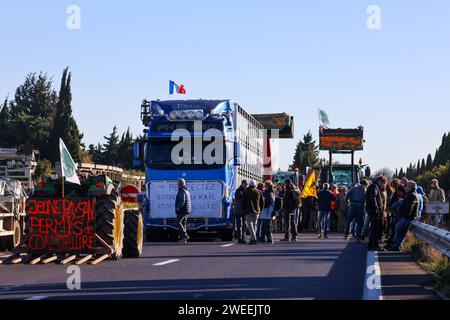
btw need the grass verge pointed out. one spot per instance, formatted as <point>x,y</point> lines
<point>432,260</point>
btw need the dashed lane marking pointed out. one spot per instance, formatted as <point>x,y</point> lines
<point>163,263</point>
<point>227,245</point>
<point>37,298</point>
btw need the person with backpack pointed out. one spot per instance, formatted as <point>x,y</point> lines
<point>267,213</point>
<point>291,203</point>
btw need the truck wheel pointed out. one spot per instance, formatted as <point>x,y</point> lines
<point>109,222</point>
<point>12,241</point>
<point>153,235</point>
<point>227,235</point>
<point>174,235</point>
<point>133,241</point>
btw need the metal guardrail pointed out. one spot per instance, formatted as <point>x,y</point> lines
<point>436,237</point>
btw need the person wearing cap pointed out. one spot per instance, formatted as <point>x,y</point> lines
<point>356,198</point>
<point>252,203</point>
<point>183,208</point>
<point>290,207</point>
<point>239,213</point>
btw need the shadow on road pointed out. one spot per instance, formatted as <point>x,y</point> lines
<point>343,282</point>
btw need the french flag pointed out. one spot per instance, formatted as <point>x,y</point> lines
<point>176,88</point>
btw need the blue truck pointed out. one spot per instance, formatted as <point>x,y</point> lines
<point>213,145</point>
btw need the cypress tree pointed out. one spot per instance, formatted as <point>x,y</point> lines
<point>401,173</point>
<point>64,125</point>
<point>423,167</point>
<point>126,145</point>
<point>429,164</point>
<point>5,117</point>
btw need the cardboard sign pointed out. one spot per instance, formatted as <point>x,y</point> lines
<point>206,199</point>
<point>61,225</point>
<point>437,207</point>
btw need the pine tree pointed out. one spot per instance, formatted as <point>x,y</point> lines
<point>32,113</point>
<point>35,97</point>
<point>64,125</point>
<point>110,148</point>
<point>306,154</point>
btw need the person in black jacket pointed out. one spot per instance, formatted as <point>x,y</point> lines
<point>408,211</point>
<point>375,209</point>
<point>239,213</point>
<point>183,208</point>
<point>290,207</point>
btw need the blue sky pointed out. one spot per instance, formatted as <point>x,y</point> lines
<point>270,56</point>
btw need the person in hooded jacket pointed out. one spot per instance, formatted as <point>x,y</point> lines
<point>422,201</point>
<point>267,213</point>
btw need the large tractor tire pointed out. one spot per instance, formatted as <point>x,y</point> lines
<point>133,241</point>
<point>12,241</point>
<point>109,222</point>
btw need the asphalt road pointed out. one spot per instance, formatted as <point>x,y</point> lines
<point>308,269</point>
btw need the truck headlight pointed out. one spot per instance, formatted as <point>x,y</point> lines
<point>226,192</point>
<point>173,115</point>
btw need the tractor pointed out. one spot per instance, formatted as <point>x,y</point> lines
<point>120,230</point>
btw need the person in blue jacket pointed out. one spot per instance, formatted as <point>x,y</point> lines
<point>422,201</point>
<point>325,198</point>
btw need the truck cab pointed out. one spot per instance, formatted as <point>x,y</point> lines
<point>212,144</point>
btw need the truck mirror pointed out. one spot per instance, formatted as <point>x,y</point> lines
<point>237,154</point>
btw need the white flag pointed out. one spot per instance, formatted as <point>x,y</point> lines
<point>323,118</point>
<point>68,166</point>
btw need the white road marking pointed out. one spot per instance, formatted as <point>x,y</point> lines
<point>372,283</point>
<point>37,298</point>
<point>227,245</point>
<point>166,262</point>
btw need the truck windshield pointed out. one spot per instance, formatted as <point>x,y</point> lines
<point>342,178</point>
<point>159,156</point>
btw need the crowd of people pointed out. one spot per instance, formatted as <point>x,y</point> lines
<point>376,211</point>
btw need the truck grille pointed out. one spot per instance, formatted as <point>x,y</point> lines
<point>189,220</point>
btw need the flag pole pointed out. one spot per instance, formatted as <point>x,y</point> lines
<point>62,179</point>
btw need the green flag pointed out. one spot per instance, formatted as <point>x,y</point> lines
<point>68,166</point>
